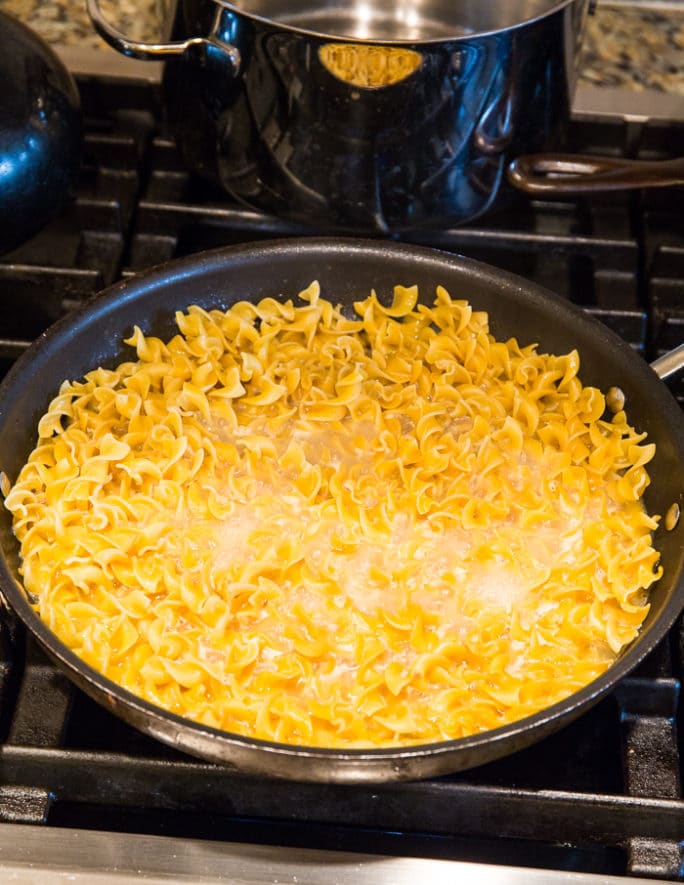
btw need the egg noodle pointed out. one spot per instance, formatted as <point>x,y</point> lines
<point>343,532</point>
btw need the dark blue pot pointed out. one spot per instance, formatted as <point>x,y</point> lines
<point>40,133</point>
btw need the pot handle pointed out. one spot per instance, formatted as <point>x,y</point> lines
<point>540,174</point>
<point>159,51</point>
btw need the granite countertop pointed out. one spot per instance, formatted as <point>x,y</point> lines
<point>637,46</point>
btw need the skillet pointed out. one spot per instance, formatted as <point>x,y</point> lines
<point>346,269</point>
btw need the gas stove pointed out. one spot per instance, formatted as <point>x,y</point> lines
<point>85,797</point>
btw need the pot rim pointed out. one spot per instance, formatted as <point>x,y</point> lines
<point>394,41</point>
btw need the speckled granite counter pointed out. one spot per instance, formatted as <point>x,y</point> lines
<point>66,22</point>
<point>640,47</point>
<point>636,48</point>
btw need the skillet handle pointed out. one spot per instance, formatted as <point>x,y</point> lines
<point>669,363</point>
<point>576,174</point>
<point>161,51</point>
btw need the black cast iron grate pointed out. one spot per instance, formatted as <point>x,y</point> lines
<point>604,795</point>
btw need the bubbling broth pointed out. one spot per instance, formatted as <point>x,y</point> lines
<point>366,531</point>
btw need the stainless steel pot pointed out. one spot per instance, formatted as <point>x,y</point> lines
<point>353,115</point>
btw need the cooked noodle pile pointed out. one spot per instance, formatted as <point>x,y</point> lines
<point>339,532</point>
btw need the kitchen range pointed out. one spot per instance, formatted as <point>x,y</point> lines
<point>85,797</point>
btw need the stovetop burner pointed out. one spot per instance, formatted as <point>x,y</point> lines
<point>604,796</point>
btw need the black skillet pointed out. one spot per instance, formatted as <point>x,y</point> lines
<point>347,269</point>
